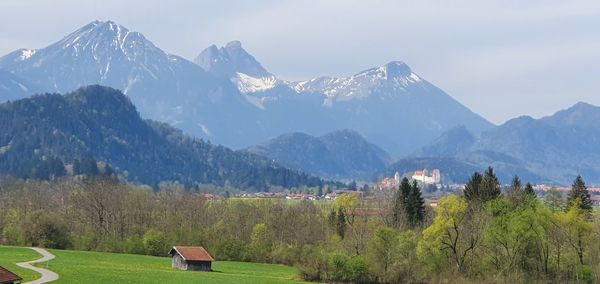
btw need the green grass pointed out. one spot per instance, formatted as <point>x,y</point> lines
<point>9,256</point>
<point>95,267</point>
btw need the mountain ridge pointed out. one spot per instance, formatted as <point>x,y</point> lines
<point>228,104</point>
<point>341,154</point>
<point>552,149</point>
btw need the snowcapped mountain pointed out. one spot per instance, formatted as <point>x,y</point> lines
<point>383,103</point>
<point>163,86</point>
<point>227,96</point>
<point>233,62</point>
<point>392,78</point>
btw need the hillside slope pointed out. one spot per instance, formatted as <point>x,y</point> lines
<point>102,124</point>
<point>342,154</point>
<point>552,149</point>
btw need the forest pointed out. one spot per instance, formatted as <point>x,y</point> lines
<point>487,233</point>
<point>44,135</point>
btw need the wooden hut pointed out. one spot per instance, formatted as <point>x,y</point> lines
<point>191,258</point>
<point>7,277</point>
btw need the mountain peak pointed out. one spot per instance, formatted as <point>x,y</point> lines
<point>234,44</point>
<point>582,106</point>
<point>229,60</point>
<point>580,114</point>
<point>398,68</point>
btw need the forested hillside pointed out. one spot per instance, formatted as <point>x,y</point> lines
<point>43,133</point>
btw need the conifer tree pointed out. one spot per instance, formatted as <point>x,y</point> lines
<point>529,192</point>
<point>472,188</point>
<point>515,192</point>
<point>490,186</point>
<point>401,200</point>
<point>415,208</point>
<point>579,191</point>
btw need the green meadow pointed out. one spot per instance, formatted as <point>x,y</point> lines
<point>97,267</point>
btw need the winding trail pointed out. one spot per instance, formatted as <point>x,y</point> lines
<point>47,275</point>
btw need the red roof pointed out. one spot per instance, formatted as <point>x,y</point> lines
<point>7,276</point>
<point>192,253</point>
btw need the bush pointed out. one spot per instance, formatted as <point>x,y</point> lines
<point>155,243</point>
<point>230,249</point>
<point>135,245</point>
<point>110,244</point>
<point>585,275</point>
<point>286,254</point>
<point>359,270</point>
<point>339,268</point>
<point>12,236</point>
<point>52,232</point>
<point>312,264</point>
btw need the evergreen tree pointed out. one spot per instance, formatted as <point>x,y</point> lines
<point>490,186</point>
<point>472,188</point>
<point>515,187</point>
<point>579,191</point>
<point>415,209</point>
<point>401,200</point>
<point>483,188</point>
<point>529,192</point>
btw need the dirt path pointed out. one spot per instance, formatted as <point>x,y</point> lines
<point>47,275</point>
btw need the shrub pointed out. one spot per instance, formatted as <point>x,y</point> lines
<point>359,270</point>
<point>339,268</point>
<point>135,245</point>
<point>155,243</point>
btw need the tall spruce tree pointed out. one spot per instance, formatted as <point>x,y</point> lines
<point>472,188</point>
<point>482,188</point>
<point>579,191</point>
<point>490,186</point>
<point>515,192</point>
<point>415,209</point>
<point>401,201</point>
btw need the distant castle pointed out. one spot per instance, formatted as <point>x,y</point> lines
<point>424,176</point>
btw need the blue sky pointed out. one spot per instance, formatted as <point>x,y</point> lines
<point>500,58</point>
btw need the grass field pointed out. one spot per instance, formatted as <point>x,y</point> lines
<point>11,255</point>
<point>94,267</point>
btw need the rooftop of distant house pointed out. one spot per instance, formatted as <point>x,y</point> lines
<point>7,276</point>
<point>192,253</point>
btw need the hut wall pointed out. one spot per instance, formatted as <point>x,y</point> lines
<point>179,263</point>
<point>200,265</point>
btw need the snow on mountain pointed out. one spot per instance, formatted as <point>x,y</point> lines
<point>234,62</point>
<point>163,86</point>
<point>395,76</point>
<point>98,53</point>
<point>227,96</point>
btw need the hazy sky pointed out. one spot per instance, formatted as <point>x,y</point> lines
<point>500,58</point>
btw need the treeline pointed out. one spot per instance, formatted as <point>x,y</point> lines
<point>486,234</point>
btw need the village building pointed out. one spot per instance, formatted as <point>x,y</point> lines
<point>191,258</point>
<point>426,178</point>
<point>7,277</point>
